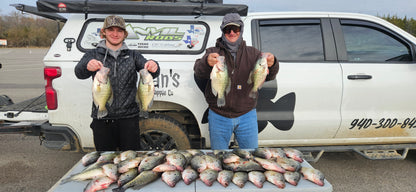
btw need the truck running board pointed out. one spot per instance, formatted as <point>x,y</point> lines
<point>383,154</point>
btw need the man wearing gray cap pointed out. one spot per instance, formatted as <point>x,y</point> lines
<point>238,115</point>
<point>119,128</point>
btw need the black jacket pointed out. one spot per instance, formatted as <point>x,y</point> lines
<point>237,100</point>
<point>123,78</point>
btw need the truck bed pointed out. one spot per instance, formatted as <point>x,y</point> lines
<point>37,104</point>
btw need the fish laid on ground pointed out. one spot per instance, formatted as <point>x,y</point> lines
<point>269,164</point>
<point>225,177</point>
<point>277,152</point>
<point>150,162</point>
<point>139,181</point>
<point>90,158</point>
<point>145,90</point>
<point>129,154</point>
<point>126,165</point>
<point>243,153</point>
<point>294,154</point>
<point>208,176</point>
<point>127,176</point>
<point>275,178</point>
<point>101,91</point>
<point>220,81</point>
<point>247,166</point>
<point>110,170</point>
<point>86,175</point>
<point>292,177</point>
<point>176,159</point>
<point>189,175</point>
<point>199,163</point>
<point>264,153</point>
<point>213,162</point>
<point>313,175</point>
<point>240,179</point>
<point>258,75</point>
<point>98,184</point>
<point>171,177</point>
<point>229,157</point>
<point>288,164</point>
<point>164,167</point>
<point>257,178</point>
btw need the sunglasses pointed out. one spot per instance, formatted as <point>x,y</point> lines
<point>228,29</point>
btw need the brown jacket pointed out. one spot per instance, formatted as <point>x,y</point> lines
<point>237,101</point>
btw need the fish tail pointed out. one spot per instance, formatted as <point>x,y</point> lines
<point>253,94</point>
<point>101,113</point>
<point>221,102</point>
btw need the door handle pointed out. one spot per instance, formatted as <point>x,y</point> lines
<point>355,77</point>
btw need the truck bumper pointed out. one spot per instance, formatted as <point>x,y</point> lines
<point>59,138</point>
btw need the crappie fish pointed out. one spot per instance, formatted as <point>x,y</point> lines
<point>225,177</point>
<point>189,175</point>
<point>288,164</point>
<point>292,177</point>
<point>277,152</point>
<point>127,176</point>
<point>90,158</point>
<point>164,167</point>
<point>86,175</point>
<point>313,175</point>
<point>198,163</point>
<point>110,170</point>
<point>264,153</point>
<point>240,179</point>
<point>208,176</point>
<point>139,181</point>
<point>101,91</point>
<point>258,75</point>
<point>129,154</point>
<point>294,154</point>
<point>220,81</point>
<point>269,164</point>
<point>145,90</point>
<point>257,178</point>
<point>126,165</point>
<point>275,178</point>
<point>230,157</point>
<point>176,159</point>
<point>98,184</point>
<point>150,162</point>
<point>247,166</point>
<point>243,153</point>
<point>171,177</point>
<point>213,163</point>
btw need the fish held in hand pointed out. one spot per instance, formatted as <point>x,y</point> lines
<point>258,75</point>
<point>101,91</point>
<point>220,81</point>
<point>145,91</point>
<point>313,175</point>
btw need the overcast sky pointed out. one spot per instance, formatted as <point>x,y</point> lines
<point>400,8</point>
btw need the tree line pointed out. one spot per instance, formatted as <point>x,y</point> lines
<point>23,30</point>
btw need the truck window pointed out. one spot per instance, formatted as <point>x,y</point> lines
<point>292,39</point>
<point>368,43</point>
<point>155,37</point>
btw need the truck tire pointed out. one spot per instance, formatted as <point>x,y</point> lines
<point>160,132</point>
<point>5,100</point>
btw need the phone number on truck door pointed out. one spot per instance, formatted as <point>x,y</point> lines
<point>383,123</point>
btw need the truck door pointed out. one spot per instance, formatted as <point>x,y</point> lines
<point>379,75</point>
<point>303,104</point>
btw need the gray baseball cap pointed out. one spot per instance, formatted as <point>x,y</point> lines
<point>232,19</point>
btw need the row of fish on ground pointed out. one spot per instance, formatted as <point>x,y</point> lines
<point>132,169</point>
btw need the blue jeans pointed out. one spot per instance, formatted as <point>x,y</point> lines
<point>245,130</point>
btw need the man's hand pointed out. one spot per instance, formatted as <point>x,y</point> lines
<point>94,65</point>
<point>151,66</point>
<point>213,59</point>
<point>270,59</point>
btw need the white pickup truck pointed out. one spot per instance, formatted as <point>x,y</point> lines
<point>346,80</point>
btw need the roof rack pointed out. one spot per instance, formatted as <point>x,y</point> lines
<point>140,7</point>
<point>34,10</point>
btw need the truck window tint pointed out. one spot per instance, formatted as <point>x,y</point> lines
<point>365,44</point>
<point>298,42</point>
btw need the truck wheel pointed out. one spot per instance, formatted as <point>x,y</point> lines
<point>5,100</point>
<point>160,132</point>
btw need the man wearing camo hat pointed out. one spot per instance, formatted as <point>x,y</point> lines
<point>119,129</point>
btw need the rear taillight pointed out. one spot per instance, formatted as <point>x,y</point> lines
<point>49,74</point>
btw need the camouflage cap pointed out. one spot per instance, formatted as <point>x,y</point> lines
<point>114,21</point>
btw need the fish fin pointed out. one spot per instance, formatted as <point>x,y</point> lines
<point>150,104</point>
<point>253,94</point>
<point>111,99</point>
<point>101,113</point>
<point>221,102</point>
<point>250,76</point>
<point>228,88</point>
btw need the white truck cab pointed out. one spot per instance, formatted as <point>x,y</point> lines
<point>346,80</point>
